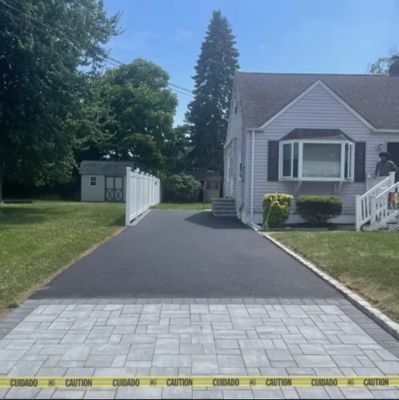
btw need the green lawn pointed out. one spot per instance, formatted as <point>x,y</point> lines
<point>367,262</point>
<point>183,206</point>
<point>38,239</point>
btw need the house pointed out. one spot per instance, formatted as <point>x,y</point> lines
<point>310,134</point>
<point>103,180</point>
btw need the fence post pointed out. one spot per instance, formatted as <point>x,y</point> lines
<point>373,210</point>
<point>127,196</point>
<point>358,212</point>
<point>392,175</point>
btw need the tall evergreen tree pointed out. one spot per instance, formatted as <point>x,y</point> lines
<point>208,112</point>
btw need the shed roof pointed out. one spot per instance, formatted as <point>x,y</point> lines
<point>104,167</point>
<point>374,97</point>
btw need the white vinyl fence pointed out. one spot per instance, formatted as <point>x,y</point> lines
<point>142,191</point>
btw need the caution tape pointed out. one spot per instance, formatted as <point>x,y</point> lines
<point>194,381</point>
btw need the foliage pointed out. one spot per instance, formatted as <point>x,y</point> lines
<point>208,112</point>
<point>276,209</point>
<point>44,46</point>
<point>381,66</point>
<point>318,209</point>
<point>180,188</point>
<point>32,248</point>
<point>132,115</point>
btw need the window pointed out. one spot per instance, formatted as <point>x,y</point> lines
<point>290,160</point>
<point>93,181</point>
<point>321,160</point>
<point>314,160</point>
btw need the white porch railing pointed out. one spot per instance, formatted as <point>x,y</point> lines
<point>384,207</point>
<point>366,204</point>
<point>142,191</point>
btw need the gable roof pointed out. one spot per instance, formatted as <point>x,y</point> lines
<point>107,168</point>
<point>374,97</point>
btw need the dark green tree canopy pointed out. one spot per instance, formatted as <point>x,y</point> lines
<point>382,65</point>
<point>134,118</point>
<point>48,50</point>
<point>208,112</point>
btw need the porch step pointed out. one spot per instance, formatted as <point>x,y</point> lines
<point>393,226</point>
<point>224,208</point>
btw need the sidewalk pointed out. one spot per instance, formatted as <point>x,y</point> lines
<point>196,337</point>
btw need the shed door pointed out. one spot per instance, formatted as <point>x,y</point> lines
<point>113,188</point>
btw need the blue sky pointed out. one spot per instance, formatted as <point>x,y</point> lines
<point>335,36</point>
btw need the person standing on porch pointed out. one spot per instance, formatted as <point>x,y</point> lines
<point>385,166</point>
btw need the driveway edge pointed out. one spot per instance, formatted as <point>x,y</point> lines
<point>377,316</point>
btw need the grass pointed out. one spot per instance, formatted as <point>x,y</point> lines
<point>367,262</point>
<point>183,206</point>
<point>38,239</point>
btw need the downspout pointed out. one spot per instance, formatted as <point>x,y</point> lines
<point>252,176</point>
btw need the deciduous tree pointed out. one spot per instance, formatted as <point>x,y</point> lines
<point>136,121</point>
<point>48,50</point>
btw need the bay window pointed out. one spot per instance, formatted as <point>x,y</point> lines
<point>314,160</point>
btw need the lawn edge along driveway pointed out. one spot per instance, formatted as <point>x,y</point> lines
<point>38,241</point>
<point>375,314</point>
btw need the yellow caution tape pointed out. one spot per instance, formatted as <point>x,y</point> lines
<point>195,381</point>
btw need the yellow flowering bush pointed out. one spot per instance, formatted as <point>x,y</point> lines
<point>276,209</point>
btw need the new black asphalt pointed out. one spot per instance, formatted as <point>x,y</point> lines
<point>187,254</point>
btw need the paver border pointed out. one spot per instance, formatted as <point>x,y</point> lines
<point>377,316</point>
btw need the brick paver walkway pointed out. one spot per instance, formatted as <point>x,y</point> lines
<point>195,337</point>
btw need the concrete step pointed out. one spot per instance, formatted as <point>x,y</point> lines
<point>224,208</point>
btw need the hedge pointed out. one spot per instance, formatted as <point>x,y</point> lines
<point>276,209</point>
<point>319,209</point>
<point>180,188</point>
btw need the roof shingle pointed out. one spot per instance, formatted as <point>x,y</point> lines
<point>107,168</point>
<point>374,97</point>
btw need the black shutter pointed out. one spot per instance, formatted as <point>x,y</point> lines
<point>272,163</point>
<point>360,161</point>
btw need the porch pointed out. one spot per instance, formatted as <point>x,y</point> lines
<point>378,208</point>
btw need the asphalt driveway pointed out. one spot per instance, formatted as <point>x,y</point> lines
<point>187,254</point>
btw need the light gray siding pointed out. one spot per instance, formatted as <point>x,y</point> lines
<point>92,193</point>
<point>234,144</point>
<point>317,109</point>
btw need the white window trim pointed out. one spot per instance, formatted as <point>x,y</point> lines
<point>95,181</point>
<point>300,177</point>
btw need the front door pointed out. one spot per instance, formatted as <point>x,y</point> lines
<point>393,150</point>
<point>113,188</point>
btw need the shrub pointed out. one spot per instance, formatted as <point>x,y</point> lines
<point>276,209</point>
<point>181,188</point>
<point>318,210</point>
